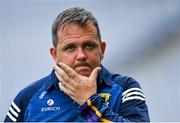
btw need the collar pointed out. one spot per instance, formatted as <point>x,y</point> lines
<point>104,77</point>
<point>52,81</point>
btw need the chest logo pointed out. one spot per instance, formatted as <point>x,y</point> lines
<point>50,102</point>
<point>50,106</point>
<point>106,96</point>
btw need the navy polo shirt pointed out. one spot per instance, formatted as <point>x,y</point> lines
<point>119,98</point>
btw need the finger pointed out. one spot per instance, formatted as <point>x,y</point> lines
<point>68,70</point>
<point>65,90</point>
<point>61,73</point>
<point>60,79</point>
<point>63,77</point>
<point>58,76</point>
<point>94,73</point>
<point>64,83</point>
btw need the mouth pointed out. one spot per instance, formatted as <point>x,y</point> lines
<point>83,69</point>
<point>82,65</point>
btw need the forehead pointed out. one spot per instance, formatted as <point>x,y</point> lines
<point>76,30</point>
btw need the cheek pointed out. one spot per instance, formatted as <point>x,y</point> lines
<point>67,59</point>
<point>95,59</point>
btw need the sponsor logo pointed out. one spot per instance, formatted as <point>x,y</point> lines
<point>50,102</point>
<point>50,106</point>
<point>45,109</point>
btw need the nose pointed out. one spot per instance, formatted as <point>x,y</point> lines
<point>81,55</point>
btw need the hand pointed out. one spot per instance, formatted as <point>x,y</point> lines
<point>78,87</point>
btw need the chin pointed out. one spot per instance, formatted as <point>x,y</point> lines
<point>84,73</point>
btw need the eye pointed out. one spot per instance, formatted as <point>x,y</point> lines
<point>69,48</point>
<point>90,45</point>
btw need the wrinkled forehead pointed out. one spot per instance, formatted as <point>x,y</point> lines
<point>77,29</point>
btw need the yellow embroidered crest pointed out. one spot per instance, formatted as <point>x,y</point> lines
<point>105,95</point>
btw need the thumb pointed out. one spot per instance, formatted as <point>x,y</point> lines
<point>94,73</point>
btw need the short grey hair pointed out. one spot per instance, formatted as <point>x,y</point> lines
<point>76,14</point>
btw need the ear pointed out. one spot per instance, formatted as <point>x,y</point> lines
<point>103,47</point>
<point>53,53</point>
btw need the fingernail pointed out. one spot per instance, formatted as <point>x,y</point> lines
<point>60,85</point>
<point>56,67</point>
<point>56,73</point>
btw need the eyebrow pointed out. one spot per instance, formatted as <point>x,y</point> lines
<point>69,43</point>
<point>84,42</point>
<point>89,41</point>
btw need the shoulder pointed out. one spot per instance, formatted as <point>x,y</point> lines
<point>131,87</point>
<point>25,94</point>
<point>125,82</point>
<point>132,104</point>
<point>20,102</point>
<point>32,88</point>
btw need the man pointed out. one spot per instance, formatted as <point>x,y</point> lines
<point>79,88</point>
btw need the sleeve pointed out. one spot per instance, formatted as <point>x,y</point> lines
<point>15,113</point>
<point>132,108</point>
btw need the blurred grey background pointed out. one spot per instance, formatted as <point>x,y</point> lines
<point>142,36</point>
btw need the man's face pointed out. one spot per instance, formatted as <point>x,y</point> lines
<point>79,48</point>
